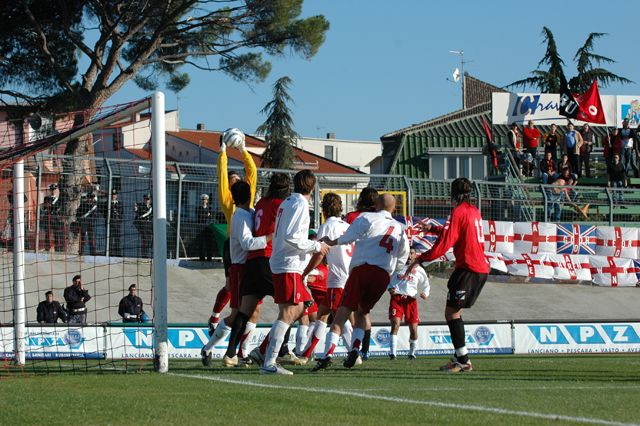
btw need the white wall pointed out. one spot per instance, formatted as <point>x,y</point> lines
<point>356,154</point>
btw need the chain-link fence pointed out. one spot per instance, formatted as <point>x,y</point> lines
<point>107,211</point>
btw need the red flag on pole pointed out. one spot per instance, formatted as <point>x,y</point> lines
<point>492,151</point>
<point>591,106</point>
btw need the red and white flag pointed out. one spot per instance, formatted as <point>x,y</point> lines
<point>535,237</point>
<point>613,271</point>
<point>529,265</point>
<point>617,242</point>
<point>498,236</point>
<point>591,106</point>
<point>573,267</point>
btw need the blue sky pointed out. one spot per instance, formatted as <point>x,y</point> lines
<point>384,64</point>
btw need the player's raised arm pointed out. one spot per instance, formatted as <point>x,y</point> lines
<point>356,231</point>
<point>445,241</point>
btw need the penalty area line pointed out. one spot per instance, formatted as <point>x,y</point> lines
<point>439,404</point>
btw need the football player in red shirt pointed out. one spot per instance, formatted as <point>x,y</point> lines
<point>257,282</point>
<point>463,232</point>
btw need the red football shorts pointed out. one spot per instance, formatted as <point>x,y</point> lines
<point>319,296</point>
<point>289,288</point>
<point>364,287</point>
<point>236,273</point>
<point>334,298</point>
<point>404,306</point>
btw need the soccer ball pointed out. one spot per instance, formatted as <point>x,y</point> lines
<point>233,138</point>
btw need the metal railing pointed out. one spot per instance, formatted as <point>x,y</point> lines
<point>191,236</point>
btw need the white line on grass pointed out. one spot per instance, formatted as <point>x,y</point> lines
<point>467,407</point>
<point>469,386</point>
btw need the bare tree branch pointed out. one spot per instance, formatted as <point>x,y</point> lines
<point>45,49</point>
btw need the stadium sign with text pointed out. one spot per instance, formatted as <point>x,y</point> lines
<point>577,338</point>
<point>58,342</point>
<point>543,108</point>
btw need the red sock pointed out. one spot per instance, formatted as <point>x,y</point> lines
<point>309,352</point>
<point>356,344</point>
<point>222,298</point>
<point>264,345</point>
<point>330,351</point>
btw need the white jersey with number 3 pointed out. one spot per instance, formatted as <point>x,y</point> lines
<point>380,241</point>
<point>339,257</point>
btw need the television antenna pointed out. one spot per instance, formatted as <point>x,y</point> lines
<point>458,74</point>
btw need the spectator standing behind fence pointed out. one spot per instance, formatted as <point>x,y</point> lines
<point>205,236</point>
<point>514,143</point>
<point>611,145</point>
<point>571,144</point>
<point>589,139</point>
<point>114,213</point>
<point>556,195</point>
<point>52,211</point>
<point>629,148</point>
<point>617,177</point>
<point>144,224</point>
<point>530,139</point>
<point>547,168</point>
<point>50,310</point>
<point>76,297</point>
<point>550,140</point>
<point>86,216</point>
<point>131,307</point>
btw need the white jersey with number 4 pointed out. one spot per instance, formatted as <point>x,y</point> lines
<point>408,284</point>
<point>380,241</point>
<point>339,257</point>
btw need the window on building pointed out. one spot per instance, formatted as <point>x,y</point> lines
<point>452,167</point>
<point>117,143</point>
<point>328,152</point>
<point>477,162</point>
<point>464,167</point>
<point>436,167</point>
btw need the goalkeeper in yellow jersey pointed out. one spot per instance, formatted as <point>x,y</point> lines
<point>231,138</point>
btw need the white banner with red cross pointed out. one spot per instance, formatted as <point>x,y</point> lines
<point>570,267</point>
<point>535,237</point>
<point>528,265</point>
<point>617,242</point>
<point>496,261</point>
<point>498,236</point>
<point>612,271</point>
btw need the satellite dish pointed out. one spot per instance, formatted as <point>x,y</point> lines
<point>456,75</point>
<point>35,121</point>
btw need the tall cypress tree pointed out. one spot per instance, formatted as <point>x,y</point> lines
<point>278,128</point>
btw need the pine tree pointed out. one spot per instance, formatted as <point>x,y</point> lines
<point>278,128</point>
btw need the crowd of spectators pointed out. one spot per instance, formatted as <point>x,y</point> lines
<point>568,155</point>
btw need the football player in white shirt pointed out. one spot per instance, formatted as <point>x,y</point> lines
<point>381,248</point>
<point>338,260</point>
<point>404,289</point>
<point>290,245</point>
<point>241,241</point>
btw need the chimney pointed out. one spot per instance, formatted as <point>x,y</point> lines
<point>331,135</point>
<point>200,126</point>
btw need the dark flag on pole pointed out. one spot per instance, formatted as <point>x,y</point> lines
<point>491,147</point>
<point>569,106</point>
<point>585,107</point>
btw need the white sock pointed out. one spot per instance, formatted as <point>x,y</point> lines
<point>412,346</point>
<point>301,337</point>
<point>357,336</point>
<point>221,332</point>
<point>278,330</point>
<point>331,341</point>
<point>460,352</point>
<point>317,331</point>
<point>394,344</point>
<point>312,330</point>
<point>347,331</point>
<point>248,331</point>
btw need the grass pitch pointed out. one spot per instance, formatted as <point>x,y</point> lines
<point>509,390</point>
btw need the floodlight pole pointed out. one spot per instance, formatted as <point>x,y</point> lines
<point>159,232</point>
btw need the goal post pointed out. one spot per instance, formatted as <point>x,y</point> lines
<point>159,232</point>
